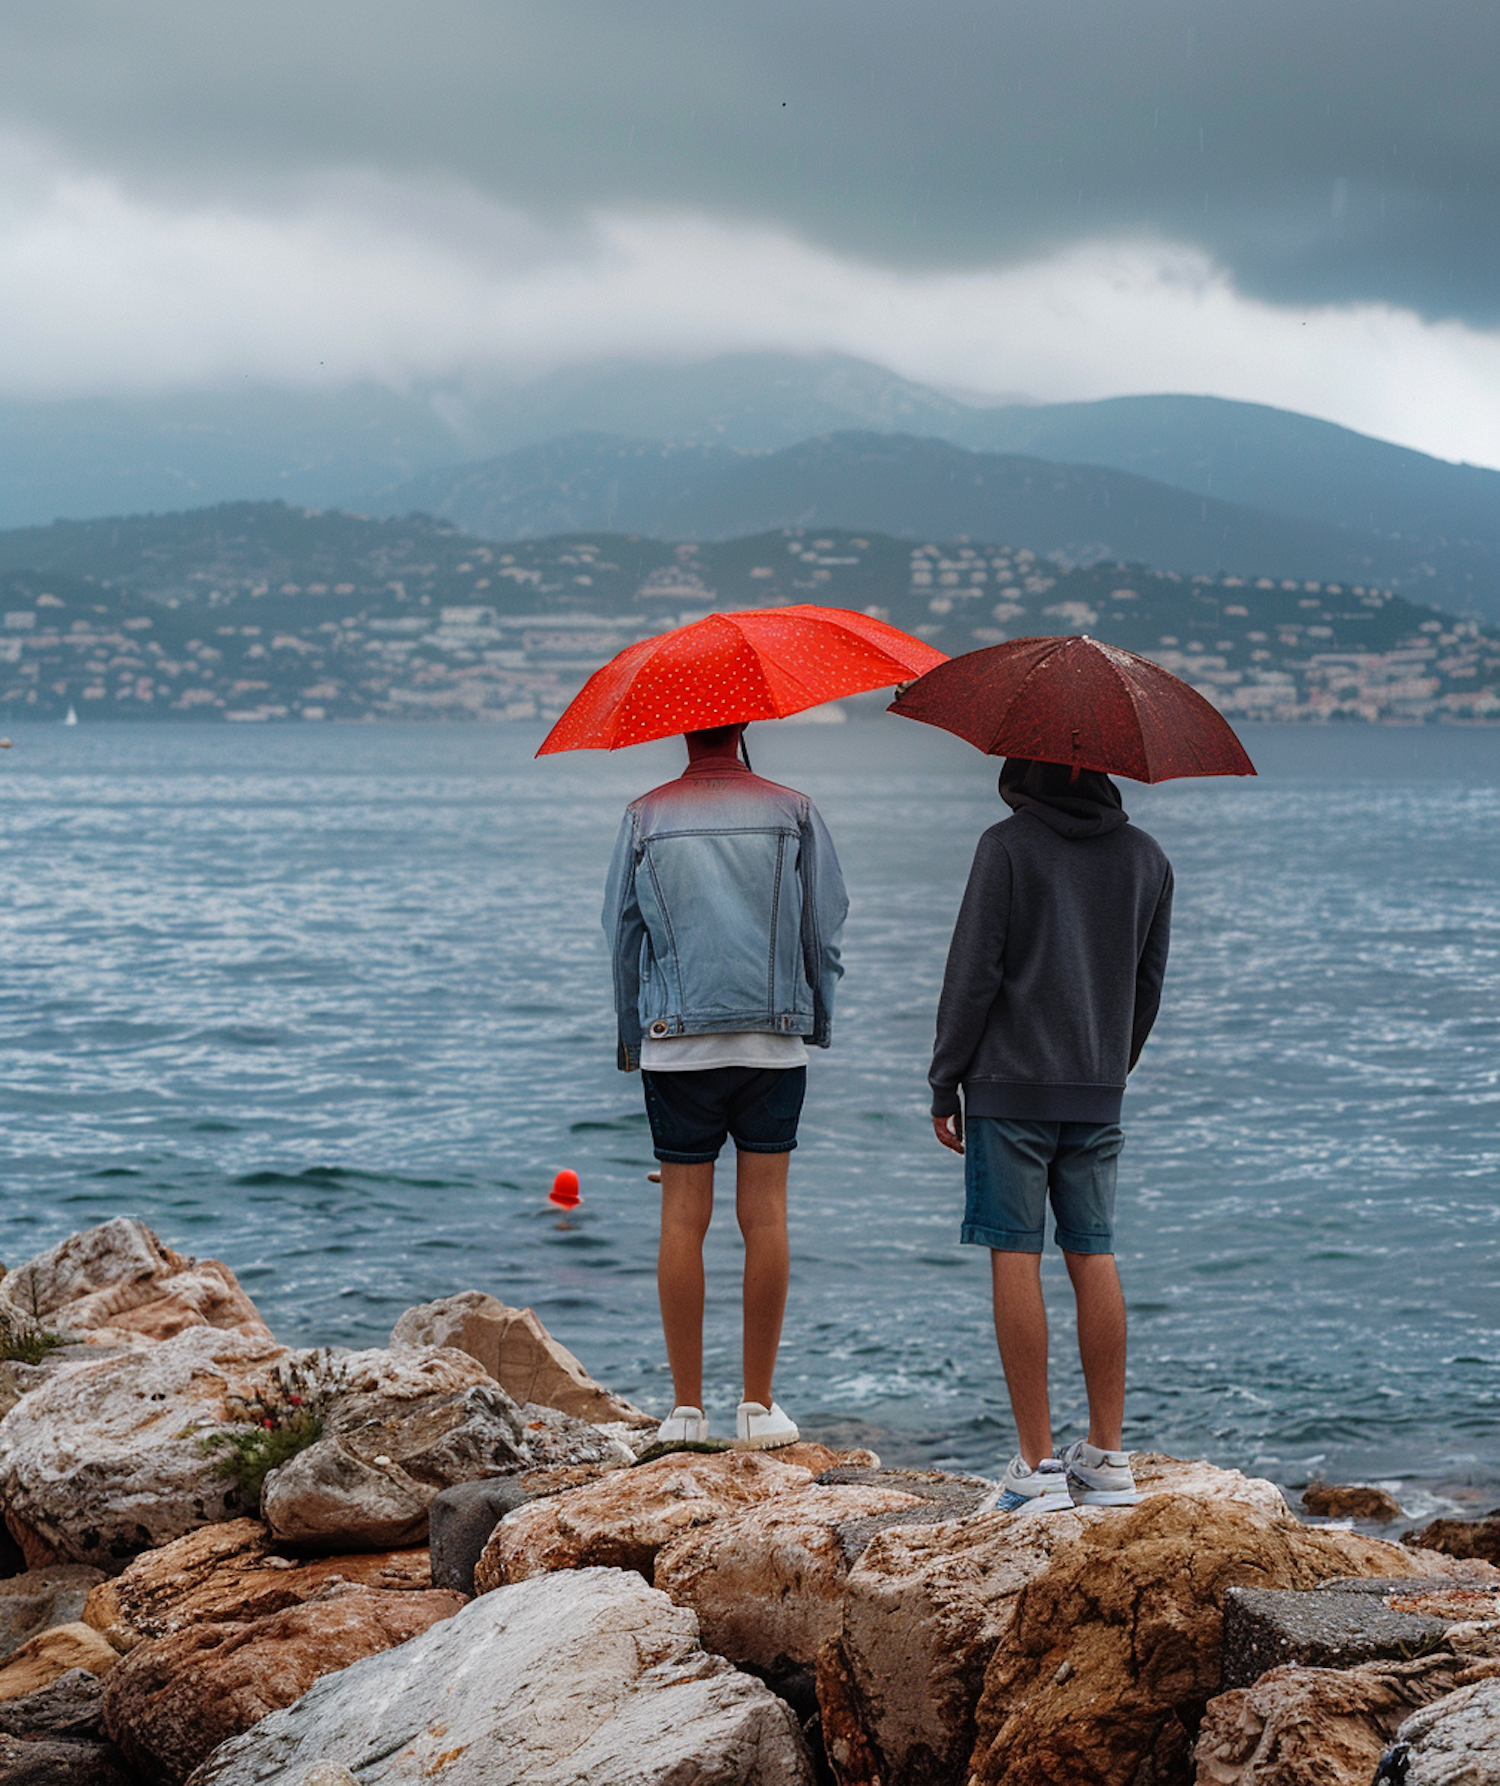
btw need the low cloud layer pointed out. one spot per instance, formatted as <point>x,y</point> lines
<point>105,290</point>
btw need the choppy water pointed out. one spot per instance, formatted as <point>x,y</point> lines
<point>332,1004</point>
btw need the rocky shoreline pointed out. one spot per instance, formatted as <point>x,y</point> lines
<point>457,1557</point>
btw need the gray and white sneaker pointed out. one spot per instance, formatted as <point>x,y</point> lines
<point>683,1426</point>
<point>1099,1478</point>
<point>1024,1490</point>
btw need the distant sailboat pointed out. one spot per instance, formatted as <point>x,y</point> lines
<point>72,717</point>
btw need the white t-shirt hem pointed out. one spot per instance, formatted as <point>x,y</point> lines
<point>739,1048</point>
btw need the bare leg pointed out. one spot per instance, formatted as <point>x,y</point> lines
<point>1021,1329</point>
<point>1101,1343</point>
<point>687,1203</point>
<point>760,1204</point>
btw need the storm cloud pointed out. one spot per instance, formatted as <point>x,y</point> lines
<point>1319,150</point>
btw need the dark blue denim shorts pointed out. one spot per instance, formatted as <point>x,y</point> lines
<point>693,1114</point>
<point>1012,1168</point>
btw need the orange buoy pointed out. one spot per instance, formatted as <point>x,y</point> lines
<point>564,1192</point>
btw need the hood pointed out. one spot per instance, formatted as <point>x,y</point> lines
<point>1074,803</point>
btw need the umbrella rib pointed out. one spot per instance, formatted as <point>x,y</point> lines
<point>814,698</point>
<point>1129,685</point>
<point>1035,670</point>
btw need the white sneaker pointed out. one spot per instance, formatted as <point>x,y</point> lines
<point>1099,1478</point>
<point>683,1426</point>
<point>1024,1490</point>
<point>759,1428</point>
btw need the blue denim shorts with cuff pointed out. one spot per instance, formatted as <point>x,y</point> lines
<point>1011,1169</point>
<point>693,1114</point>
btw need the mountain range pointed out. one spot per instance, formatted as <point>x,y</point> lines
<point>726,446</point>
<point>923,488</point>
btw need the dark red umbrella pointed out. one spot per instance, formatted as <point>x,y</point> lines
<point>761,663</point>
<point>1079,702</point>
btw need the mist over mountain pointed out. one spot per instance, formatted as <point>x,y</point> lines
<point>101,456</point>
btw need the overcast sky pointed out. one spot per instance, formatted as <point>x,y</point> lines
<point>1292,201</point>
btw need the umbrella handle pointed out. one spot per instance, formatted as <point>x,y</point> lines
<point>744,752</point>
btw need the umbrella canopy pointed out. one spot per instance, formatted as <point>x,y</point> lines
<point>1079,702</point>
<point>764,663</point>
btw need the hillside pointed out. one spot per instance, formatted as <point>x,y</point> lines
<point>262,611</point>
<point>1261,457</point>
<point>109,456</point>
<point>923,488</point>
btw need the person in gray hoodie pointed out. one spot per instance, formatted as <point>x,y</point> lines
<point>1053,982</point>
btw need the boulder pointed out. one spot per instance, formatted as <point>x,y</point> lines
<point>54,1737</point>
<point>1456,1741</point>
<point>602,1679</point>
<point>25,1762</point>
<point>43,1658</point>
<point>382,1380</point>
<point>924,1608</point>
<point>767,1584</point>
<point>1112,1652</point>
<point>232,1572</point>
<point>1462,1537</point>
<point>1267,1628</point>
<point>1194,1479</point>
<point>1331,1500</point>
<point>561,1441</point>
<point>174,1699</point>
<point>1314,1726</point>
<point>66,1710</point>
<point>622,1520</point>
<point>118,1282</point>
<point>367,1484</point>
<point>948,1496</point>
<point>40,1598</point>
<point>103,1460</point>
<point>461,1519</point>
<point>400,1425</point>
<point>518,1352</point>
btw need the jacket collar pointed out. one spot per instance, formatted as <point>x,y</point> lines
<point>708,766</point>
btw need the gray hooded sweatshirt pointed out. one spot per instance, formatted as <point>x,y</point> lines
<point>1055,970</point>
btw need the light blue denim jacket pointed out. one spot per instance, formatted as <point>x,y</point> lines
<point>723,911</point>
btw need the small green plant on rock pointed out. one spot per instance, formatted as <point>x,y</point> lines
<point>28,1346</point>
<point>23,1338</point>
<point>283,1415</point>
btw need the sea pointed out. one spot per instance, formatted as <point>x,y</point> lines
<point>332,1004</point>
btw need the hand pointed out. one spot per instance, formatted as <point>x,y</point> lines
<point>950,1131</point>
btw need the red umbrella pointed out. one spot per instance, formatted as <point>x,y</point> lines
<point>1079,702</point>
<point>764,663</point>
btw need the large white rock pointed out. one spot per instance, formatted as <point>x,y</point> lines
<point>404,1425</point>
<point>767,1584</point>
<point>117,1282</point>
<point>518,1352</point>
<point>103,1461</point>
<point>585,1678</point>
<point>1456,1742</point>
<point>368,1485</point>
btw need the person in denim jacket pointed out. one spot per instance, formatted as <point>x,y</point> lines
<point>723,911</point>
